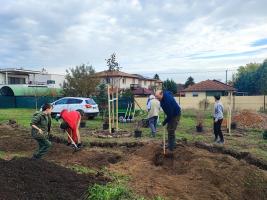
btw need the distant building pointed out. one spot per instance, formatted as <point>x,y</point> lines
<point>208,88</point>
<point>13,76</point>
<point>139,84</point>
<point>180,88</point>
<point>51,80</point>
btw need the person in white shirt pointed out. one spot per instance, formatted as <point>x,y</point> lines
<point>218,119</point>
<point>153,108</point>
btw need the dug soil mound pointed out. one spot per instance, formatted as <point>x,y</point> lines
<point>89,157</point>
<point>192,173</point>
<point>38,179</point>
<point>250,119</point>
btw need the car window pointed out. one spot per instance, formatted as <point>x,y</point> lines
<point>90,101</point>
<point>61,101</point>
<point>75,101</point>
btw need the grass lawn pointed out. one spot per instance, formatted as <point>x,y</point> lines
<point>252,140</point>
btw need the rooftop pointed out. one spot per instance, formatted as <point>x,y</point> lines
<point>209,85</point>
<point>108,73</point>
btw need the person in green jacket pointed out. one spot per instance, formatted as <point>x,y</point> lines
<point>41,124</point>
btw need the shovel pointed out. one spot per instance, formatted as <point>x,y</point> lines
<point>72,142</point>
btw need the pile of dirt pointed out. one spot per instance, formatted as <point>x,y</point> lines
<point>16,140</point>
<point>38,179</point>
<point>89,157</point>
<point>11,124</point>
<point>249,119</point>
<point>192,173</point>
<point>107,134</point>
<point>246,156</point>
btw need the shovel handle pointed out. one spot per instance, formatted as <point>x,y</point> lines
<point>164,133</point>
<point>71,140</point>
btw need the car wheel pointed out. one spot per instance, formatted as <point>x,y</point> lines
<point>91,117</point>
<point>53,115</point>
<point>81,113</point>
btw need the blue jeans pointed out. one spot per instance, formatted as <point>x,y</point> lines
<point>153,125</point>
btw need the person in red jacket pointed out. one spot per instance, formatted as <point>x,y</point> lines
<point>71,123</point>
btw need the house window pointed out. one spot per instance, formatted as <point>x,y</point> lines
<point>108,80</point>
<point>144,82</point>
<point>195,94</point>
<point>133,81</point>
<point>124,81</point>
<point>51,82</point>
<point>15,80</point>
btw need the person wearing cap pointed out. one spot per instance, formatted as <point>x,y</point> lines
<point>41,125</point>
<point>173,112</point>
<point>153,108</point>
<point>71,124</point>
<point>218,119</point>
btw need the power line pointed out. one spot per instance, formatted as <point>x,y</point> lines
<point>189,72</point>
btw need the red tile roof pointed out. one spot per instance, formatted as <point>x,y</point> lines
<point>209,85</point>
<point>115,74</point>
<point>142,91</point>
<point>108,73</point>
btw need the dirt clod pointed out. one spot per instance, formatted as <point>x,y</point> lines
<point>24,178</point>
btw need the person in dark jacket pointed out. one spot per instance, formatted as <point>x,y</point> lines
<point>41,125</point>
<point>173,113</point>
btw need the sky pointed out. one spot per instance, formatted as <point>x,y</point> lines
<point>175,39</point>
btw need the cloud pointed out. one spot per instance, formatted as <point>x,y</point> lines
<point>148,36</point>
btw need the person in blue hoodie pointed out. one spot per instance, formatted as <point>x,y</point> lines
<point>173,113</point>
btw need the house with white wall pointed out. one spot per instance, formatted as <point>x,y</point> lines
<point>208,88</point>
<point>124,80</point>
<point>14,76</point>
<point>11,76</point>
<point>51,80</point>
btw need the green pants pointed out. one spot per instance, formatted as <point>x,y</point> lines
<point>44,146</point>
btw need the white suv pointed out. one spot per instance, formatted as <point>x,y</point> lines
<point>85,105</point>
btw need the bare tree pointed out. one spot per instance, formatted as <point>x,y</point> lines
<point>112,63</point>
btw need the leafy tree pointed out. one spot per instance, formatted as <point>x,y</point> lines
<point>80,81</point>
<point>247,79</point>
<point>170,85</point>
<point>127,93</point>
<point>156,76</point>
<point>189,81</point>
<point>102,98</point>
<point>112,63</point>
<point>262,78</point>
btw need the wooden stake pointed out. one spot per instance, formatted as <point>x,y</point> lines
<point>264,104</point>
<point>112,101</point>
<point>230,112</point>
<point>117,109</point>
<point>164,132</point>
<point>109,120</point>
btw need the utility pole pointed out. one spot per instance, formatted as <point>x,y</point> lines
<point>226,76</point>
